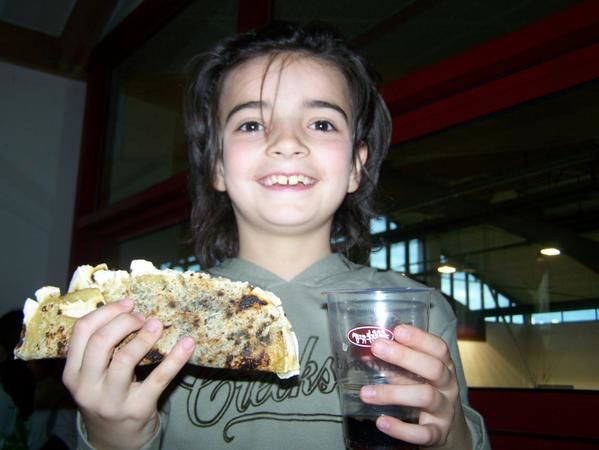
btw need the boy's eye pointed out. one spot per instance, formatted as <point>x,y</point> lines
<point>251,126</point>
<point>322,125</point>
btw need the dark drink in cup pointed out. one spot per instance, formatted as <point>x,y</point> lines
<point>361,433</point>
<point>359,422</point>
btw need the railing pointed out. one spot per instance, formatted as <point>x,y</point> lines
<point>531,419</point>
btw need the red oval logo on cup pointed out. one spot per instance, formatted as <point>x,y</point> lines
<point>364,336</point>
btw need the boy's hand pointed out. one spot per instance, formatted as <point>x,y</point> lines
<point>118,411</point>
<point>442,421</point>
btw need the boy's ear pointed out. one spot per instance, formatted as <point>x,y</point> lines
<point>219,179</point>
<point>356,173</point>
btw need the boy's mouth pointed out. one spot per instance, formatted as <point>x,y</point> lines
<point>287,180</point>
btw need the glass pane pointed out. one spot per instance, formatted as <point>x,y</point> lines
<point>398,256</point>
<point>518,318</point>
<point>474,293</point>
<point>446,284</point>
<point>416,256</point>
<point>146,141</point>
<point>378,225</point>
<point>166,248</point>
<point>504,302</point>
<point>182,264</point>
<point>544,318</point>
<point>378,259</point>
<point>581,315</point>
<point>459,287</point>
<point>489,297</point>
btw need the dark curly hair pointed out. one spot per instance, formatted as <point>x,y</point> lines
<point>213,225</point>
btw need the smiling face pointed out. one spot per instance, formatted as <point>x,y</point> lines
<point>287,146</point>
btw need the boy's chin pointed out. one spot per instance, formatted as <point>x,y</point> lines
<point>299,228</point>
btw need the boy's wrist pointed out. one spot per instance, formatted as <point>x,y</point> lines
<point>459,437</point>
<point>125,436</point>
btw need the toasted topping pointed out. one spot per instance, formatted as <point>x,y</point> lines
<point>248,300</point>
<point>272,298</point>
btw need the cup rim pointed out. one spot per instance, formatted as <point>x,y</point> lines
<point>383,290</point>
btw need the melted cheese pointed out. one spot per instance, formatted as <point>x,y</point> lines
<point>47,291</point>
<point>29,310</point>
<point>143,267</point>
<point>82,278</point>
<point>292,357</point>
<point>110,277</point>
<point>78,308</point>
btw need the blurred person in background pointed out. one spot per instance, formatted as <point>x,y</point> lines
<point>36,411</point>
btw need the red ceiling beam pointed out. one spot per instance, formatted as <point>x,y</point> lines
<point>549,38</point>
<point>542,79</point>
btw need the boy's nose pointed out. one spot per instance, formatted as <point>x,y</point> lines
<point>287,145</point>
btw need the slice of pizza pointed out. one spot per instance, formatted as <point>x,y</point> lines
<point>235,325</point>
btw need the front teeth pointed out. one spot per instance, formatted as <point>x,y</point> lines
<point>291,180</point>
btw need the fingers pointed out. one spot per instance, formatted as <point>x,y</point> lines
<point>101,345</point>
<point>422,341</point>
<point>436,396</point>
<point>114,405</point>
<point>428,434</point>
<point>435,411</point>
<point>422,396</point>
<point>125,360</point>
<point>164,373</point>
<point>84,328</point>
<point>419,352</point>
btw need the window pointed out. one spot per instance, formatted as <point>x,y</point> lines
<point>182,265</point>
<point>468,290</point>
<point>403,256</point>
<point>459,167</point>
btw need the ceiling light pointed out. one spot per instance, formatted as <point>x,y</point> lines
<point>445,268</point>
<point>550,251</point>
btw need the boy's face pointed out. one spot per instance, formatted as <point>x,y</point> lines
<point>287,145</point>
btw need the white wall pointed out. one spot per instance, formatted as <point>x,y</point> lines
<point>526,356</point>
<point>41,118</point>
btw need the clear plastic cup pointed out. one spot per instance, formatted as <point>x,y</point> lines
<point>357,317</point>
